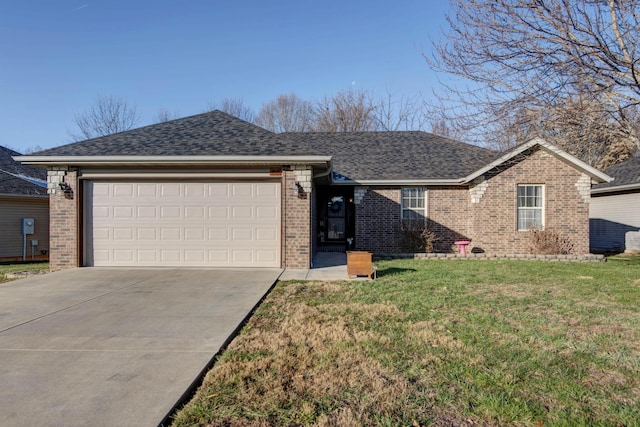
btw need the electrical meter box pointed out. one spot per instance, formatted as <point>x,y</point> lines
<point>28,225</point>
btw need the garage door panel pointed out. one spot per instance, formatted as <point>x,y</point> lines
<point>147,234</point>
<point>242,256</point>
<point>173,224</point>
<point>265,256</point>
<point>123,255</point>
<point>170,257</point>
<point>123,190</point>
<point>170,212</point>
<point>218,256</point>
<point>147,256</point>
<point>122,212</point>
<point>146,212</point>
<point>122,234</point>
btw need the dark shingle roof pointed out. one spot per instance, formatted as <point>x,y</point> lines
<point>213,133</point>
<point>395,155</point>
<point>625,173</point>
<point>16,178</point>
<point>356,155</point>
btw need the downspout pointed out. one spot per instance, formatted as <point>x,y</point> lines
<point>323,174</point>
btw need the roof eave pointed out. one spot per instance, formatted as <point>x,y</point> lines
<point>616,189</point>
<point>321,161</point>
<point>596,175</point>
<point>395,182</point>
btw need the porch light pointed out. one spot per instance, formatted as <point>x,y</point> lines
<point>67,190</point>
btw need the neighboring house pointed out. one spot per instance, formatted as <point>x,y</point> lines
<point>213,190</point>
<point>23,194</point>
<point>615,210</point>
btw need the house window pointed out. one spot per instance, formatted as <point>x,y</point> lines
<point>530,207</point>
<point>413,204</point>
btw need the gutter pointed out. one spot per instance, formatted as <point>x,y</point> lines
<point>616,189</point>
<point>172,160</point>
<point>395,182</point>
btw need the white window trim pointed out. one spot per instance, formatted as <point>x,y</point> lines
<point>423,210</point>
<point>543,208</point>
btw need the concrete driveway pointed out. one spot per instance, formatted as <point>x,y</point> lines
<point>115,347</point>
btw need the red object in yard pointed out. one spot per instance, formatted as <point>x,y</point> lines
<point>462,244</point>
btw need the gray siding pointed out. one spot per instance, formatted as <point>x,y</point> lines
<point>610,217</point>
<point>12,210</point>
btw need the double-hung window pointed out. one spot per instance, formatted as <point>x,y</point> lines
<point>530,207</point>
<point>414,206</point>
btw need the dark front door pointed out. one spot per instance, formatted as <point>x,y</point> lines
<point>336,216</point>
<point>336,219</point>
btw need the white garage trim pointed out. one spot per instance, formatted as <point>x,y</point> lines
<point>182,223</point>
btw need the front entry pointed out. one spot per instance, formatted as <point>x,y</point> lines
<point>336,219</point>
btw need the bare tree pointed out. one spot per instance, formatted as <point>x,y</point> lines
<point>235,107</point>
<point>394,113</point>
<point>286,113</point>
<point>440,126</point>
<point>525,61</point>
<point>347,111</point>
<point>164,115</point>
<point>108,115</point>
<point>33,149</point>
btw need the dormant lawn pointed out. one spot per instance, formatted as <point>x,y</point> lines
<point>437,343</point>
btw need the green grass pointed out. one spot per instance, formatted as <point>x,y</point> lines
<point>438,343</point>
<point>18,267</point>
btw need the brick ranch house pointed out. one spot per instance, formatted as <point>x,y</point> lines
<point>213,190</point>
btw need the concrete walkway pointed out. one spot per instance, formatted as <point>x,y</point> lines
<point>115,347</point>
<point>327,266</point>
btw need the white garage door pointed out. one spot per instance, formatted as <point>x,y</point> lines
<point>213,224</point>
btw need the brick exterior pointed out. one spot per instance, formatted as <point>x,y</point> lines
<point>378,220</point>
<point>448,213</point>
<point>566,208</point>
<point>484,212</point>
<point>296,242</point>
<point>64,224</point>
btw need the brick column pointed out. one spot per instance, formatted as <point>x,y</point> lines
<point>63,218</point>
<point>296,218</point>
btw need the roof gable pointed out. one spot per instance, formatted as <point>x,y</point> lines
<point>212,133</point>
<point>592,172</point>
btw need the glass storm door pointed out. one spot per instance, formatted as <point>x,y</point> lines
<point>336,223</point>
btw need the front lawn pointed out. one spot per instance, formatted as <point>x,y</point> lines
<point>437,343</point>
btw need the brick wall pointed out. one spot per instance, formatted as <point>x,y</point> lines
<point>296,244</point>
<point>485,212</point>
<point>449,216</point>
<point>494,228</point>
<point>64,221</point>
<point>378,219</point>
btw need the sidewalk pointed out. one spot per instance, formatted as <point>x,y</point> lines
<point>327,266</point>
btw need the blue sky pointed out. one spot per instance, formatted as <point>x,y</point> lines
<point>57,56</point>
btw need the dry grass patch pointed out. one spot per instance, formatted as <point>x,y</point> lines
<point>437,343</point>
<point>309,366</point>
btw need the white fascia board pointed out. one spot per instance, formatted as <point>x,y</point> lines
<point>395,182</point>
<point>616,189</point>
<point>173,160</point>
<point>594,173</point>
